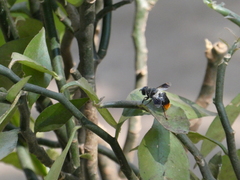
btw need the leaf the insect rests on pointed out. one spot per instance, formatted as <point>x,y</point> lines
<point>162,156</point>
<point>178,114</point>
<point>87,88</point>
<point>215,130</point>
<point>53,117</point>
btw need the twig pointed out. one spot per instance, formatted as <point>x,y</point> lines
<point>61,15</point>
<point>214,54</point>
<point>57,63</point>
<point>107,152</point>
<point>34,7</point>
<point>66,52</point>
<point>86,68</point>
<point>231,143</point>
<point>230,15</point>
<point>202,164</point>
<point>29,136</point>
<point>48,143</point>
<point>6,23</point>
<point>105,34</point>
<point>107,167</point>
<point>75,112</point>
<point>113,7</point>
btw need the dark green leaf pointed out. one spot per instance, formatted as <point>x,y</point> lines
<point>37,50</point>
<point>16,88</point>
<point>7,111</point>
<point>57,165</point>
<point>196,137</point>
<point>13,160</point>
<point>162,156</point>
<point>227,171</point>
<point>215,164</point>
<point>6,51</point>
<point>25,27</point>
<point>8,142</point>
<point>53,117</point>
<point>215,131</point>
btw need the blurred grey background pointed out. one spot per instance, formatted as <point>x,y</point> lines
<point>175,33</point>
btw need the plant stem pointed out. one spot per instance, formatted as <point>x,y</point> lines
<point>86,68</point>
<point>202,164</point>
<point>232,152</point>
<point>6,23</point>
<point>214,54</point>
<point>57,63</point>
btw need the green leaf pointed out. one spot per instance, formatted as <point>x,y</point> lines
<point>16,88</point>
<point>16,57</point>
<point>87,88</point>
<point>227,171</point>
<point>37,50</point>
<point>215,130</point>
<point>6,51</point>
<point>196,137</point>
<point>162,156</point>
<point>7,111</point>
<point>55,116</point>
<point>76,3</point>
<point>191,109</point>
<point>25,27</point>
<point>57,165</point>
<point>8,142</point>
<point>12,159</point>
<point>215,164</point>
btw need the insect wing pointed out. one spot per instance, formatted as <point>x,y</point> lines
<point>157,100</point>
<point>163,87</point>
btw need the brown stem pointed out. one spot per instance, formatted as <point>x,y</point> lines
<point>214,54</point>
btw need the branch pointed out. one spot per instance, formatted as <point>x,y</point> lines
<point>105,34</point>
<point>86,68</point>
<point>202,164</point>
<point>75,112</point>
<point>214,54</point>
<point>230,15</point>
<point>231,143</point>
<point>6,23</point>
<point>29,136</point>
<point>57,64</point>
<point>107,152</point>
<point>142,8</point>
<point>113,7</point>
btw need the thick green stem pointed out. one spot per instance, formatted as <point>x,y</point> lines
<point>86,67</point>
<point>231,143</point>
<point>57,63</point>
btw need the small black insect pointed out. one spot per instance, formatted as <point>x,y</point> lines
<point>159,97</point>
